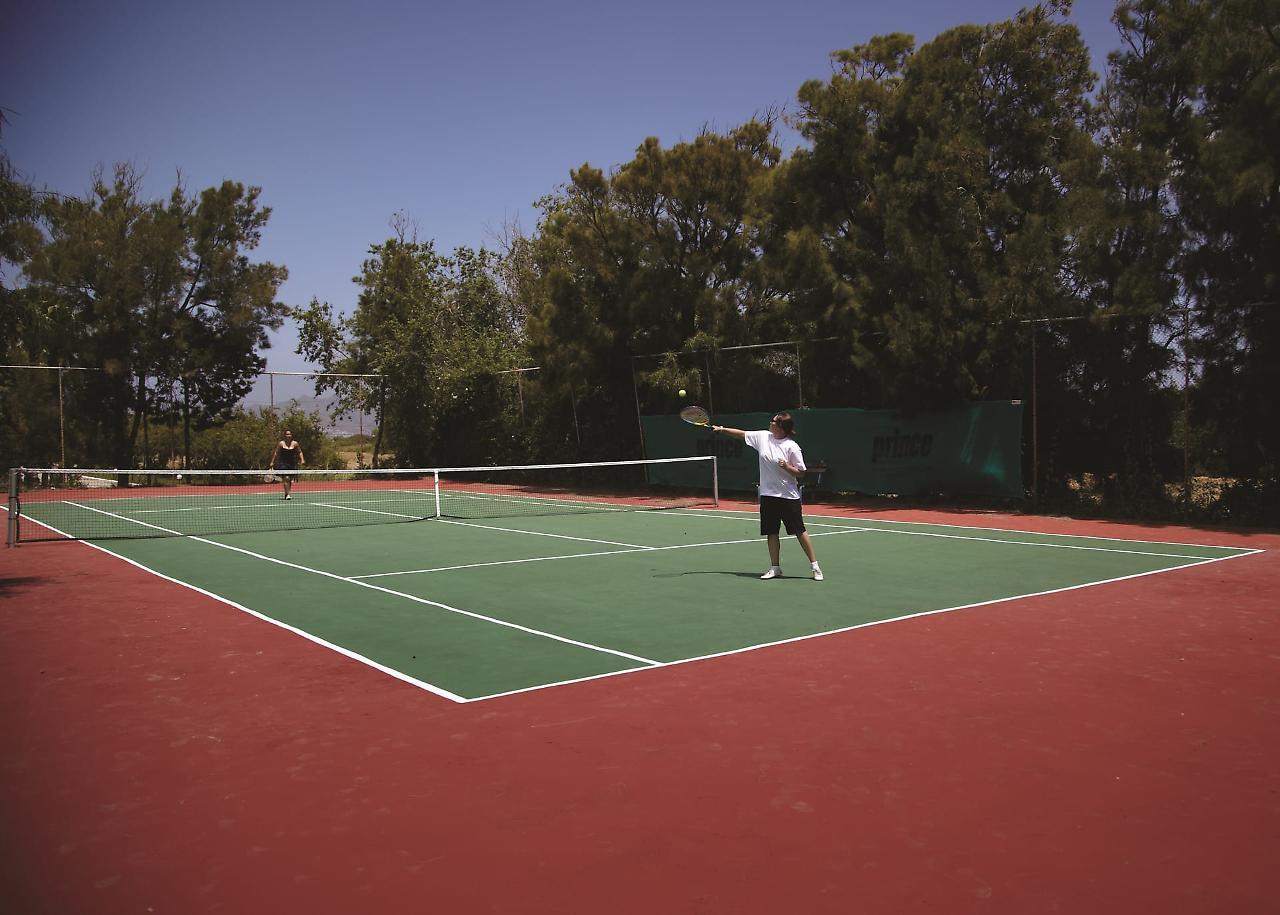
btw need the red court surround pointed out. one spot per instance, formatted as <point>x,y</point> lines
<point>1107,750</point>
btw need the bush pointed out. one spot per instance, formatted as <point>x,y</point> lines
<point>245,442</point>
<point>1248,502</point>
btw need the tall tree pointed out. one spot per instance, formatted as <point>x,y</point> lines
<point>431,326</point>
<point>1227,181</point>
<point>1103,409</point>
<point>939,202</point>
<point>1185,253</point>
<point>660,255</point>
<point>28,399</point>
<point>158,295</point>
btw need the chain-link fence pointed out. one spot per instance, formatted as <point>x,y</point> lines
<point>1122,414</point>
<point>790,374</point>
<point>1122,417</point>
<point>46,415</point>
<point>54,416</point>
<point>1132,415</point>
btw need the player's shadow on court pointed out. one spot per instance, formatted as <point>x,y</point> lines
<point>16,583</point>
<point>722,574</point>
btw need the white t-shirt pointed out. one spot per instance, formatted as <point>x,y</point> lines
<point>774,481</point>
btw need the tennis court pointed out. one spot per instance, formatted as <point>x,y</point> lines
<point>283,737</point>
<point>526,589</point>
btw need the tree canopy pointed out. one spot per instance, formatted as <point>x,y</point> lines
<point>158,296</point>
<point>979,216</point>
<point>431,326</point>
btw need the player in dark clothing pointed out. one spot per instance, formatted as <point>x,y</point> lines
<point>286,459</point>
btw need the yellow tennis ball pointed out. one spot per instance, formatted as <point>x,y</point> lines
<point>682,392</point>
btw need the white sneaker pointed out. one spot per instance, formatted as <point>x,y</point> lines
<point>774,572</point>
<point>817,575</point>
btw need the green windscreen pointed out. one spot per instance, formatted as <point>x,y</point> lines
<point>974,450</point>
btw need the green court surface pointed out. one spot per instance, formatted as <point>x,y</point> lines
<point>480,608</point>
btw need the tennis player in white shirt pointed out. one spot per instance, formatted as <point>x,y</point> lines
<point>781,467</point>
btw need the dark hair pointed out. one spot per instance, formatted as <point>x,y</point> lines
<point>786,422</point>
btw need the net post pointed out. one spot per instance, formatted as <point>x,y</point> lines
<point>715,481</point>
<point>11,528</point>
<point>1035,432</point>
<point>381,418</point>
<point>62,423</point>
<point>436,475</point>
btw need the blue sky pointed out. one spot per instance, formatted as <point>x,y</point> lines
<point>461,115</point>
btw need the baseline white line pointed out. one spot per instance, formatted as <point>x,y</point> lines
<point>362,584</point>
<point>648,549</point>
<point>896,619</point>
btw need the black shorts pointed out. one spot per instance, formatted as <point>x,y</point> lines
<point>775,512</point>
<point>286,471</point>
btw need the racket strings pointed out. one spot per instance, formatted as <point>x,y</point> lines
<point>696,415</point>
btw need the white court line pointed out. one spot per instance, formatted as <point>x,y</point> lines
<point>647,549</point>
<point>413,495</point>
<point>428,495</point>
<point>362,584</point>
<point>516,530</point>
<point>879,530</point>
<point>368,511</point>
<point>809,516</point>
<point>501,562</point>
<point>539,500</point>
<point>199,508</point>
<point>809,522</point>
<point>649,663</point>
<point>346,652</point>
<point>1051,546</point>
<point>272,505</point>
<point>743,514</point>
<point>896,619</point>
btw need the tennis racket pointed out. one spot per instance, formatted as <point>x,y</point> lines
<point>696,416</point>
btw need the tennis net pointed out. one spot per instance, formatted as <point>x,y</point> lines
<point>81,504</point>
